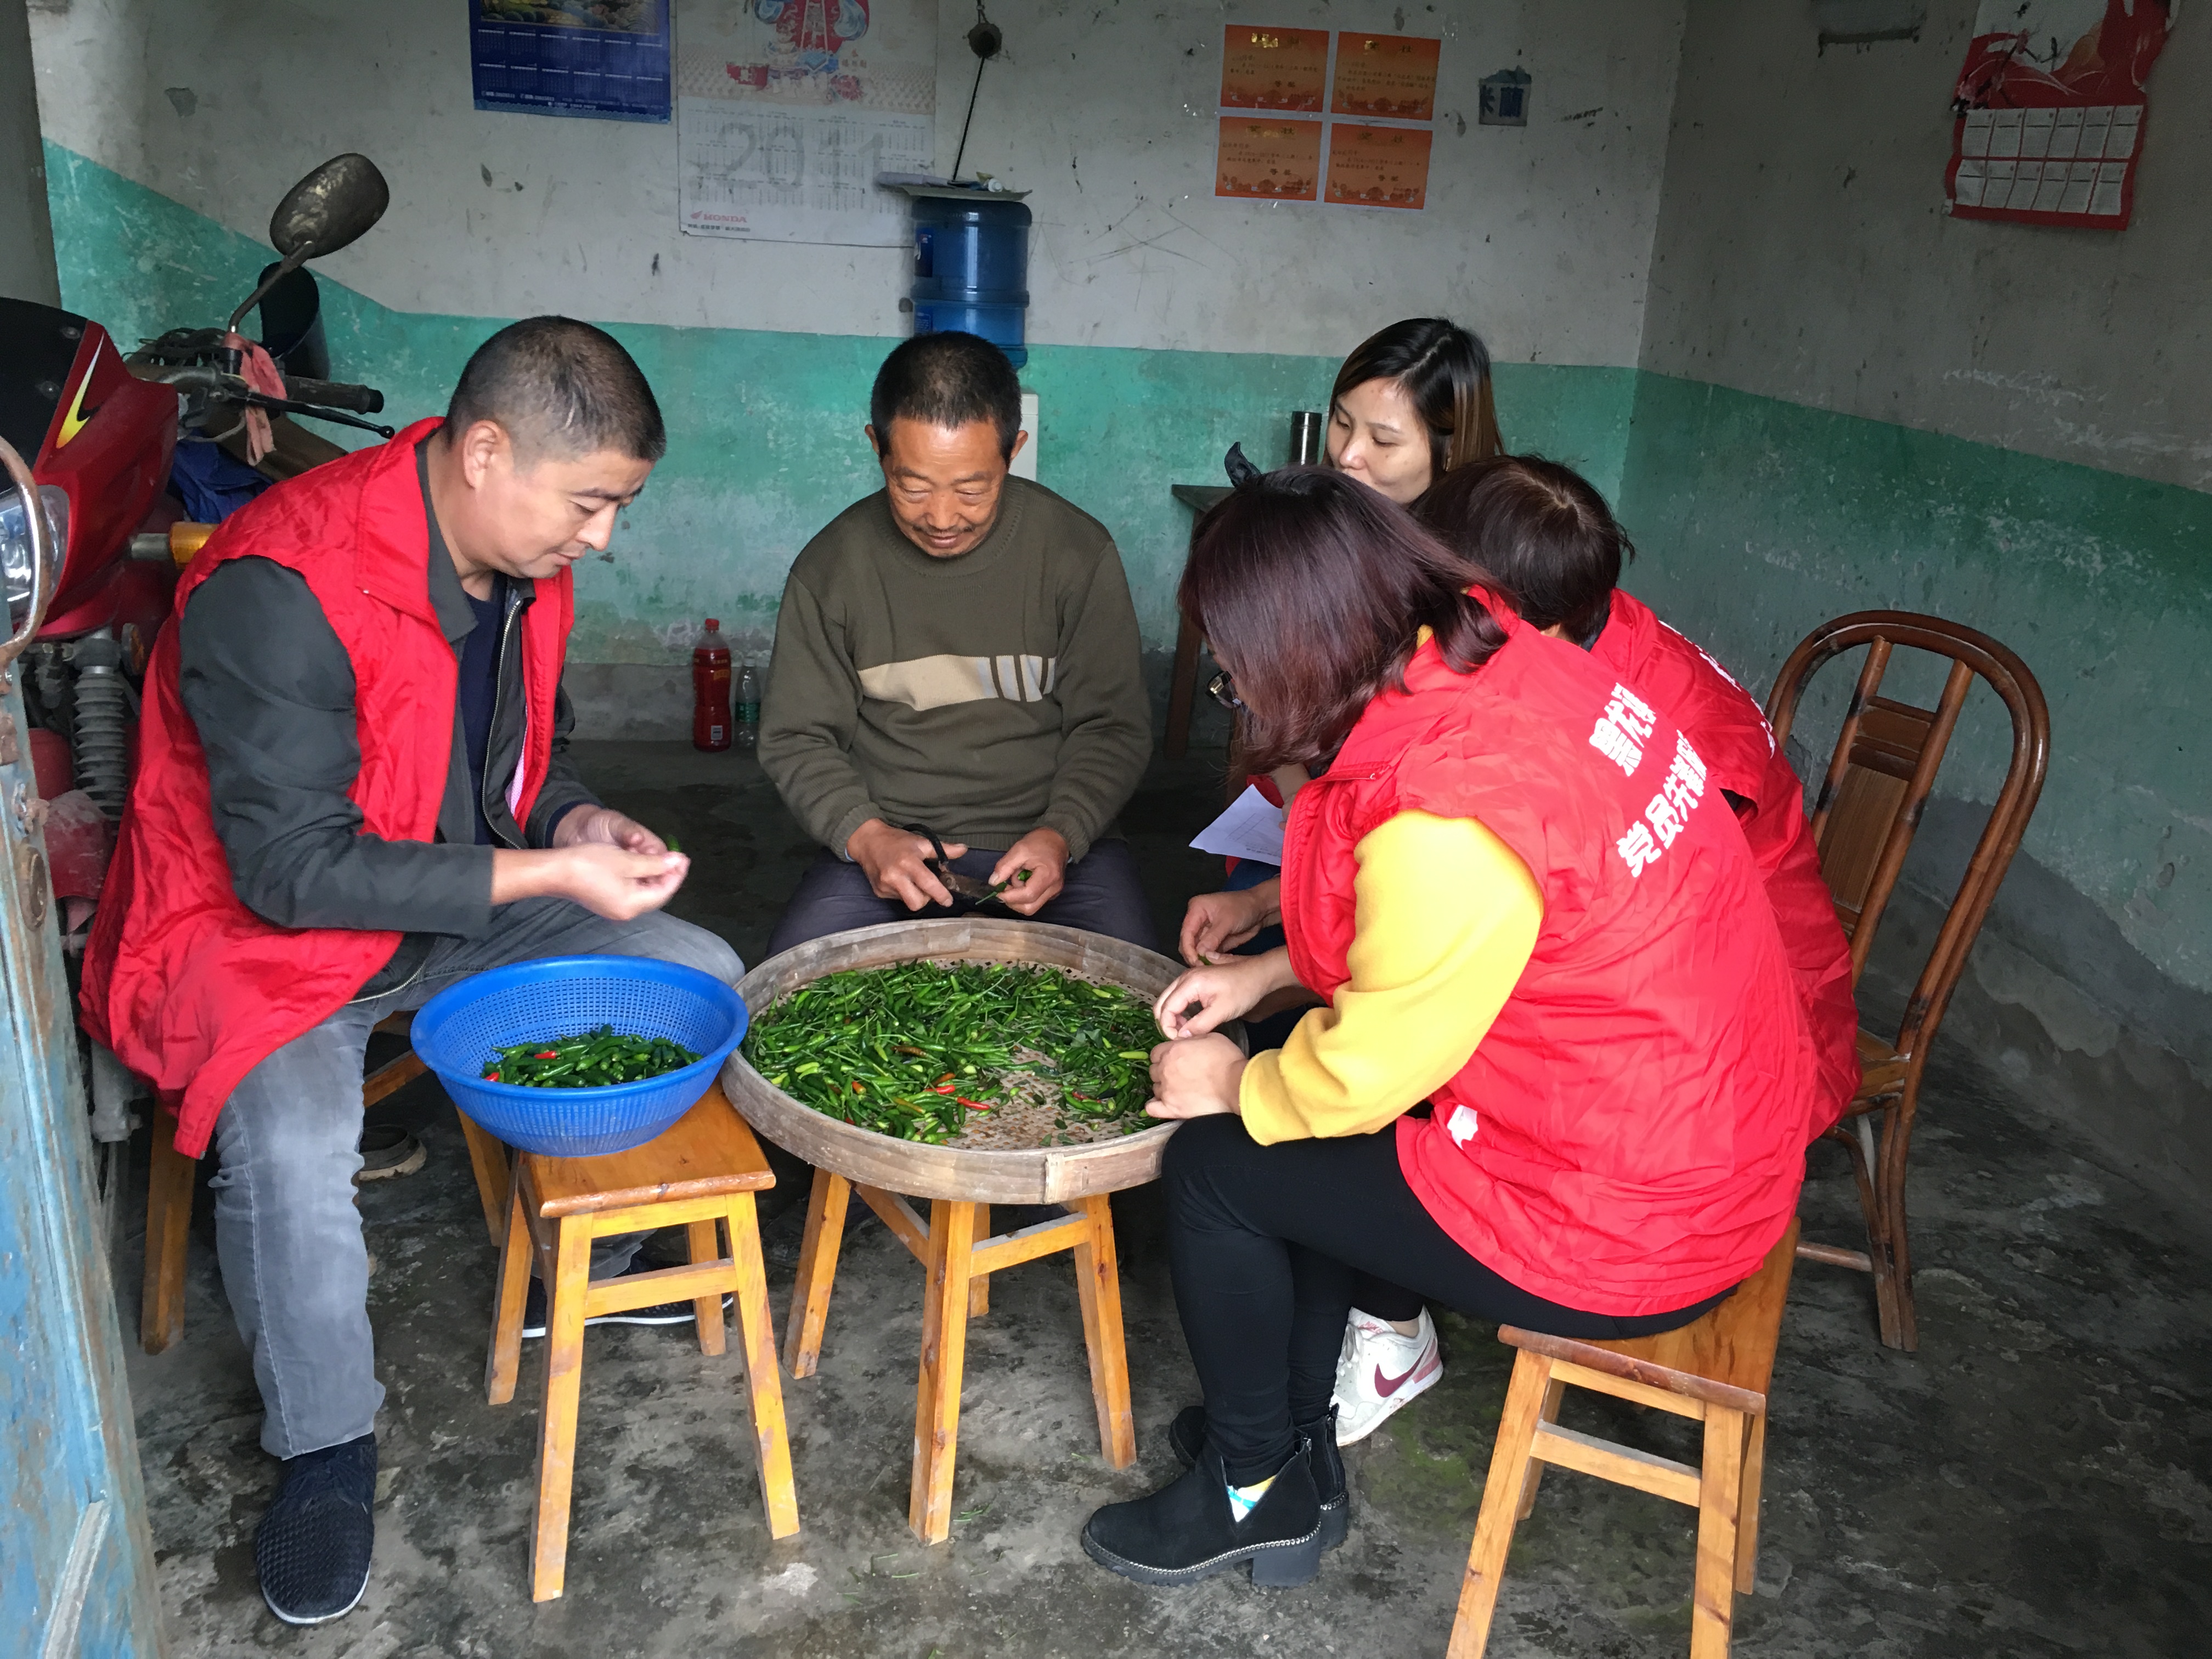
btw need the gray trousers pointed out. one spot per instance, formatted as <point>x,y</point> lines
<point>287,1231</point>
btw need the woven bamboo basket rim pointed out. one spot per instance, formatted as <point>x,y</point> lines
<point>1037,1174</point>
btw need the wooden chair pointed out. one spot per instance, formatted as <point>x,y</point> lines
<point>1713,1371</point>
<point>1869,805</point>
<point>170,1177</point>
<point>700,1174</point>
<point>959,1264</point>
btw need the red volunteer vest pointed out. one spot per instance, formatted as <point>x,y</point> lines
<point>1734,740</point>
<point>1628,1137</point>
<point>188,987</point>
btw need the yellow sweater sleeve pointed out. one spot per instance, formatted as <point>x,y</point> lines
<point>1446,917</point>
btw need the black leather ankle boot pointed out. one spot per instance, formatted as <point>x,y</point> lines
<point>1187,1531</point>
<point>1187,1435</point>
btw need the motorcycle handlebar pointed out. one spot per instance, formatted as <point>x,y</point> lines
<point>334,394</point>
<point>213,382</point>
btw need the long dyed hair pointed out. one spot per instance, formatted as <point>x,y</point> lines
<point>1312,591</point>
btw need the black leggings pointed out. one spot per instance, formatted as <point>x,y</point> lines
<point>1265,1242</point>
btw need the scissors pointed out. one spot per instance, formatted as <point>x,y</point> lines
<point>967,887</point>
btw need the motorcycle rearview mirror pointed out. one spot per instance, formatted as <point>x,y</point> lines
<point>331,208</point>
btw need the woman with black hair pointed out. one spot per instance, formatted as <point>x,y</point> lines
<point>1411,404</point>
<point>1528,915</point>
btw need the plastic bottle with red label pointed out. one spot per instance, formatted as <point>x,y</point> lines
<point>710,690</point>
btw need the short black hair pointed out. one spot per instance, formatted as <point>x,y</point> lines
<point>559,385</point>
<point>947,379</point>
<point>1541,529</point>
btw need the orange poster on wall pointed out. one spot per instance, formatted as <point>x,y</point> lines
<point>1378,167</point>
<point>1273,69</point>
<point>1272,159</point>
<point>1392,76</point>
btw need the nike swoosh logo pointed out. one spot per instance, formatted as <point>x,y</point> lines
<point>1388,1386</point>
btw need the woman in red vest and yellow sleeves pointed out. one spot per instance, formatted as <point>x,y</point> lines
<point>1563,1077</point>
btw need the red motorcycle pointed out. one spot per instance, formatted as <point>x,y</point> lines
<point>112,439</point>
<point>118,446</point>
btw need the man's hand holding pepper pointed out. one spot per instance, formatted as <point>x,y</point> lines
<point>1044,854</point>
<point>612,865</point>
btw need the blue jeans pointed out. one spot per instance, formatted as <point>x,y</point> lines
<point>287,1234</point>
<point>1101,895</point>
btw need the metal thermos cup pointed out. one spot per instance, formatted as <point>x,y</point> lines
<point>1306,437</point>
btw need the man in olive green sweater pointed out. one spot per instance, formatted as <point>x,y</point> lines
<point>957,652</point>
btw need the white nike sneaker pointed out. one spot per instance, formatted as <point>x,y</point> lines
<point>1379,1370</point>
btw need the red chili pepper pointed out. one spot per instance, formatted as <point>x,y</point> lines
<point>941,1089</point>
<point>548,1054</point>
<point>491,1076</point>
<point>973,1105</point>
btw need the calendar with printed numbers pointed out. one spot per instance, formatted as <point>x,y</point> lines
<point>2052,111</point>
<point>2052,167</point>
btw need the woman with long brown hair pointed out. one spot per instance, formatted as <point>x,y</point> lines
<point>1412,402</point>
<point>1562,1075</point>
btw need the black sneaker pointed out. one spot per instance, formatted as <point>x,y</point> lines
<point>662,1313</point>
<point>1186,1439</point>
<point>311,1552</point>
<point>1187,1531</point>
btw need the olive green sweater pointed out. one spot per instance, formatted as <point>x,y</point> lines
<point>984,695</point>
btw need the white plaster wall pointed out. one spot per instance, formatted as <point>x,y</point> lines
<point>1804,252</point>
<point>1540,237</point>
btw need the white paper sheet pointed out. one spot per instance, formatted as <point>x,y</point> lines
<point>1252,827</point>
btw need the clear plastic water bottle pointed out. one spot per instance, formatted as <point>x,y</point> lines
<point>748,702</point>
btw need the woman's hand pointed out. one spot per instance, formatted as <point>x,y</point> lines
<point>1214,924</point>
<point>1201,999</point>
<point>1199,1077</point>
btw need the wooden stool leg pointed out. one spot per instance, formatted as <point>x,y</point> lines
<point>1720,1488</point>
<point>1746,1519</point>
<point>757,1332</point>
<point>557,1434</point>
<point>168,1231</point>
<point>488,1158</point>
<point>706,1311</point>
<point>1098,1287</point>
<point>817,1272</point>
<point>504,1362</point>
<point>1501,1493</point>
<point>1553,1392</point>
<point>979,1288</point>
<point>944,1356</point>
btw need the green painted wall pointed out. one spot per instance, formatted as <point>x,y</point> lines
<point>764,428</point>
<point>1758,519</point>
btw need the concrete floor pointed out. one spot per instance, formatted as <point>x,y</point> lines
<point>2033,1482</point>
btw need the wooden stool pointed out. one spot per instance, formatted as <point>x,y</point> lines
<point>1715,1369</point>
<point>703,1173</point>
<point>957,1289</point>
<point>169,1179</point>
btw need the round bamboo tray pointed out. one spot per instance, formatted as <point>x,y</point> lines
<point>1040,1175</point>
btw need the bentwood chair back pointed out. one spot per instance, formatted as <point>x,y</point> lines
<point>1880,775</point>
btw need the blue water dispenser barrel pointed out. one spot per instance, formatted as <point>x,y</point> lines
<point>971,268</point>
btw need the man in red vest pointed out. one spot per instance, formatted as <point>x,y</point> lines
<point>352,791</point>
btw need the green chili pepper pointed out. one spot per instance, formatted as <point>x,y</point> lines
<point>593,1060</point>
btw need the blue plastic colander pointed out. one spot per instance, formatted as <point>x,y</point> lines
<point>460,1028</point>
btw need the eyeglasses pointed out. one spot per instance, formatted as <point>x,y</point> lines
<point>1223,690</point>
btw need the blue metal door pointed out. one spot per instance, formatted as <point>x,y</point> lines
<point>76,1573</point>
